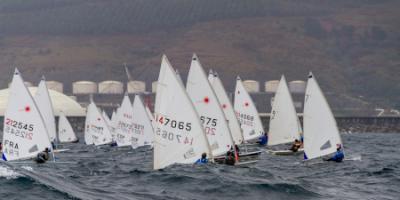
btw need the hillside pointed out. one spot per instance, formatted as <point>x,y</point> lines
<point>353,47</point>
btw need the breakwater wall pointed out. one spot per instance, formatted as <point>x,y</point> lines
<point>345,124</point>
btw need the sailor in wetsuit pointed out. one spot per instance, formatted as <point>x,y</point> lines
<point>230,158</point>
<point>339,155</point>
<point>263,139</point>
<point>203,159</point>
<point>296,145</point>
<point>43,156</point>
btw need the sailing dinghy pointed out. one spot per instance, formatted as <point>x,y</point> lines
<point>248,117</point>
<point>43,101</point>
<point>321,134</point>
<point>24,130</point>
<point>124,123</point>
<point>97,131</point>
<point>113,124</point>
<point>284,125</point>
<point>208,107</point>
<point>179,134</point>
<point>143,133</point>
<point>247,113</point>
<point>65,132</point>
<point>227,107</point>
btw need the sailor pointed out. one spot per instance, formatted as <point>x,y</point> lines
<point>262,140</point>
<point>296,145</point>
<point>203,159</point>
<point>230,158</point>
<point>339,155</point>
<point>43,156</point>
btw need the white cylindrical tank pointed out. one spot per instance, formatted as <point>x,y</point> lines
<point>297,86</point>
<point>154,86</point>
<point>111,87</point>
<point>84,87</point>
<point>271,86</point>
<point>136,86</point>
<point>55,85</point>
<point>251,85</point>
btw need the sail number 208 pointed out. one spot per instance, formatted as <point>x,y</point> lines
<point>175,124</point>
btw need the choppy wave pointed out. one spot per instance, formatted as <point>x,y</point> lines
<point>88,172</point>
<point>6,172</point>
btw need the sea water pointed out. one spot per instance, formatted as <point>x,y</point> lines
<point>370,171</point>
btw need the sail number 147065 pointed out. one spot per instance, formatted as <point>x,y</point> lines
<point>174,124</point>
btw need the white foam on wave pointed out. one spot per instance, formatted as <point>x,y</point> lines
<point>8,173</point>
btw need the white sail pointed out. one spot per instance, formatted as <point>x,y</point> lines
<point>24,131</point>
<point>143,133</point>
<point>106,118</point>
<point>43,101</point>
<point>284,124</point>
<point>247,113</point>
<point>179,135</point>
<point>227,107</point>
<point>208,107</point>
<point>96,129</point>
<point>113,123</point>
<point>124,125</point>
<point>65,132</point>
<point>321,134</point>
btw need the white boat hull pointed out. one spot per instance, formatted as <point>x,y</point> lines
<point>285,152</point>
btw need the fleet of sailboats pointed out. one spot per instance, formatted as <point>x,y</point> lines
<point>187,123</point>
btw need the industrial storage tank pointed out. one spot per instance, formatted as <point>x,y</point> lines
<point>297,86</point>
<point>84,87</point>
<point>251,85</point>
<point>154,86</point>
<point>136,86</point>
<point>111,87</point>
<point>55,85</point>
<point>271,86</point>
